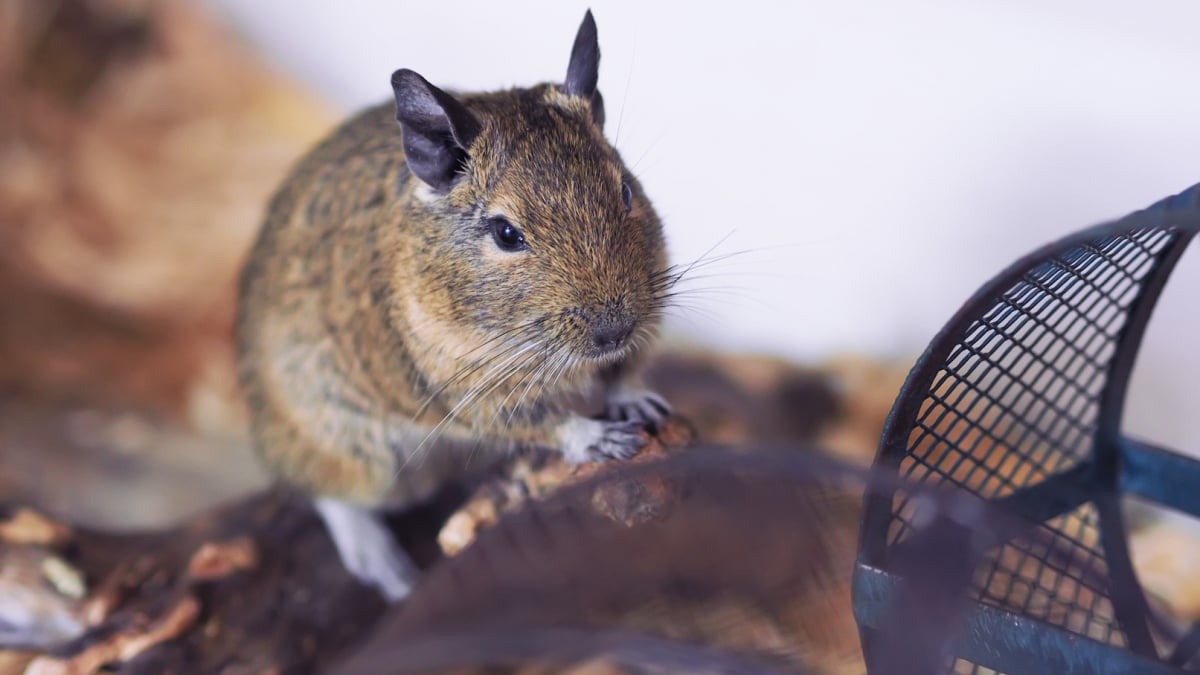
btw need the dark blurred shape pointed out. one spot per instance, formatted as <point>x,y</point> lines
<point>758,399</point>
<point>740,561</point>
<point>75,43</point>
<point>749,560</point>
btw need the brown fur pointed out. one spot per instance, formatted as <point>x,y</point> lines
<point>371,306</point>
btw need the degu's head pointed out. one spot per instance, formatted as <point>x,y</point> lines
<point>545,235</point>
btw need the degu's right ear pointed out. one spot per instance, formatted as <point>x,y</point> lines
<point>437,129</point>
<point>583,71</point>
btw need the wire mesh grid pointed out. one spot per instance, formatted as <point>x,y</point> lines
<point>1018,400</point>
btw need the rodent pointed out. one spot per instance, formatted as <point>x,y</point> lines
<point>441,274</point>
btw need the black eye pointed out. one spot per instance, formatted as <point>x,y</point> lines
<point>508,236</point>
<point>627,196</point>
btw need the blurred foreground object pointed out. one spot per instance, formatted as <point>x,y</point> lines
<point>738,563</point>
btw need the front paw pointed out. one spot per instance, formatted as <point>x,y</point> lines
<point>637,405</point>
<point>587,440</point>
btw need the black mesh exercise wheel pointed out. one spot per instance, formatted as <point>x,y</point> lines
<point>1019,400</point>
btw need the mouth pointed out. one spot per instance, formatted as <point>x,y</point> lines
<point>606,355</point>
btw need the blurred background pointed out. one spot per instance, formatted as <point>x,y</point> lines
<point>877,161</point>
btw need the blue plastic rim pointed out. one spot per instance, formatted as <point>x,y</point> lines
<point>1019,399</point>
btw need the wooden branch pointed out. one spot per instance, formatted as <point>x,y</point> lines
<point>255,585</point>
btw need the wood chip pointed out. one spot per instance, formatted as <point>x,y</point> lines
<point>64,577</point>
<point>122,645</point>
<point>26,526</point>
<point>217,560</point>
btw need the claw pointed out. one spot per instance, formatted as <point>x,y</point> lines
<point>588,440</point>
<point>644,407</point>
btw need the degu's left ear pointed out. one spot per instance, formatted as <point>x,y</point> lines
<point>584,70</point>
<point>437,129</point>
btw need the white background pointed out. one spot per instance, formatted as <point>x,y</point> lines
<point>883,158</point>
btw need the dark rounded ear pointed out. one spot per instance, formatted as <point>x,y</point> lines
<point>584,69</point>
<point>437,129</point>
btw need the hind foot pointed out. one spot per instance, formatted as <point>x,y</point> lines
<point>367,548</point>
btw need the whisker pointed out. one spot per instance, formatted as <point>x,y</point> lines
<point>491,423</point>
<point>709,295</point>
<point>675,273</point>
<point>473,396</point>
<point>625,96</point>
<point>710,249</point>
<point>693,290</point>
<point>568,363</point>
<point>649,148</point>
<point>476,365</point>
<point>517,406</point>
<point>485,383</point>
<point>690,315</point>
<point>549,361</point>
<point>725,273</point>
<point>531,377</point>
